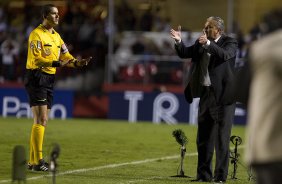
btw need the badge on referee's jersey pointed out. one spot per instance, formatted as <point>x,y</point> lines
<point>39,45</point>
<point>31,45</point>
<point>47,51</point>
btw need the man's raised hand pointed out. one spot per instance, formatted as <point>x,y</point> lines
<point>203,38</point>
<point>176,35</point>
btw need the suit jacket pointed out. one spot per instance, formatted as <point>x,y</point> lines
<point>221,68</point>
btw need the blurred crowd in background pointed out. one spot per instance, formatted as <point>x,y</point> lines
<point>143,51</point>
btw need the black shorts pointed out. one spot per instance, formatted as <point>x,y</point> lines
<point>39,86</point>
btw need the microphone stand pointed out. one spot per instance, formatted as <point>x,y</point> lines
<point>53,161</point>
<point>181,172</point>
<point>183,151</point>
<point>53,169</point>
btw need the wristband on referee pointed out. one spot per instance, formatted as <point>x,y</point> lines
<point>56,63</point>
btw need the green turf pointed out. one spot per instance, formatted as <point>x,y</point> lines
<point>107,152</point>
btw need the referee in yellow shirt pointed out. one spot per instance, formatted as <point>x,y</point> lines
<point>46,52</point>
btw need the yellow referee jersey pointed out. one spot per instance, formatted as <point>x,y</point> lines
<point>44,48</point>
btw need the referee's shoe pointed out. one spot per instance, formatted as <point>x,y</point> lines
<point>42,166</point>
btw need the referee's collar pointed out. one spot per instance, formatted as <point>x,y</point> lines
<point>45,30</point>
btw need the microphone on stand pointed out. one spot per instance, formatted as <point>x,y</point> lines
<point>55,152</point>
<point>181,138</point>
<point>236,141</point>
<point>19,164</point>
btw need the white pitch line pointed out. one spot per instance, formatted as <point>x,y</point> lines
<point>142,180</point>
<point>106,167</point>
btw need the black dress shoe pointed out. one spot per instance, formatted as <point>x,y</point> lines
<point>200,180</point>
<point>218,181</point>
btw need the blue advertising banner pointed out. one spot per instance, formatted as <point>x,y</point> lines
<point>158,107</point>
<point>14,102</point>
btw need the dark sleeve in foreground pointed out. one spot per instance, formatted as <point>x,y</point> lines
<point>242,84</point>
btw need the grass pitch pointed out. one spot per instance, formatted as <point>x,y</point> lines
<point>108,152</point>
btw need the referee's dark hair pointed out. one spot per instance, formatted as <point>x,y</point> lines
<point>46,9</point>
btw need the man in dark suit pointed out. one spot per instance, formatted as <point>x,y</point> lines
<point>211,78</point>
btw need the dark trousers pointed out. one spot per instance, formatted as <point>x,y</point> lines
<point>268,173</point>
<point>214,129</point>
